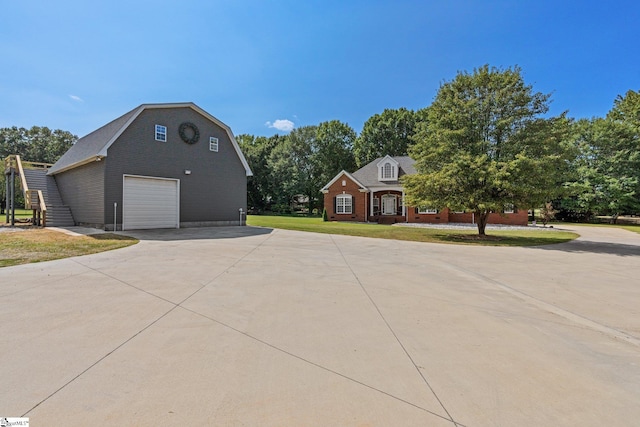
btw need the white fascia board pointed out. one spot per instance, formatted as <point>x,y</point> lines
<point>326,187</point>
<point>194,107</point>
<point>387,158</point>
<point>386,188</point>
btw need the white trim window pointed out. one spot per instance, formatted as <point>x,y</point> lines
<point>344,204</point>
<point>213,144</point>
<point>427,210</point>
<point>161,133</point>
<point>388,172</point>
<point>509,209</point>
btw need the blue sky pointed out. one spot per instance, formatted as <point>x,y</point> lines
<point>261,65</point>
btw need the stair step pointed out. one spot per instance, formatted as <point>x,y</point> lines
<point>58,214</point>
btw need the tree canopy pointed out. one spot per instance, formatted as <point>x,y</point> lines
<point>387,133</point>
<point>606,171</point>
<point>485,146</point>
<point>38,144</point>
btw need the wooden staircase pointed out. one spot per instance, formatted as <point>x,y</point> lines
<point>58,214</point>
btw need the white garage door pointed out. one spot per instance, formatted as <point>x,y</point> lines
<point>149,202</point>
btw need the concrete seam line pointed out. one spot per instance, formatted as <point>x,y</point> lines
<point>551,308</point>
<point>126,283</point>
<point>324,368</point>
<point>141,330</point>
<point>226,270</point>
<point>99,360</point>
<point>392,331</point>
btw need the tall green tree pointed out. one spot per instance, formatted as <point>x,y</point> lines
<point>486,145</point>
<point>38,144</point>
<point>606,177</point>
<point>293,167</point>
<point>387,133</point>
<point>626,109</point>
<point>260,189</point>
<point>334,149</point>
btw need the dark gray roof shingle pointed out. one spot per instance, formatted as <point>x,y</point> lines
<point>368,174</point>
<point>95,144</point>
<point>89,146</point>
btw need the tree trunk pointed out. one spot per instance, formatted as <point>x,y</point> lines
<point>482,217</point>
<point>310,205</point>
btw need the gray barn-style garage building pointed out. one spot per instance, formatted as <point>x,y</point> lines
<point>157,166</point>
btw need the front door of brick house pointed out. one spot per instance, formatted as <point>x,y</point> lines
<point>388,204</point>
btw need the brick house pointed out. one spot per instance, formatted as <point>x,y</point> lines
<point>374,193</point>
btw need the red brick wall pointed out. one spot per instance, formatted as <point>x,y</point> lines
<point>359,200</point>
<point>520,217</point>
<point>442,217</point>
<point>361,208</point>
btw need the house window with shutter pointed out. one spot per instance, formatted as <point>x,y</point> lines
<point>344,204</point>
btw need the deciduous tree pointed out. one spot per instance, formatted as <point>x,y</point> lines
<point>387,133</point>
<point>486,145</point>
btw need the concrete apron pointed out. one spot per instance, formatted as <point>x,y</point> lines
<point>250,326</point>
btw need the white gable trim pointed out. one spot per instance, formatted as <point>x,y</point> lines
<point>395,168</point>
<point>103,152</point>
<point>325,189</point>
<point>386,159</point>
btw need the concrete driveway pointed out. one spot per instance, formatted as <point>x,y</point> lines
<point>249,326</point>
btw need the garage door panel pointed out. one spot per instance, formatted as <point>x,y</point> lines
<point>150,203</point>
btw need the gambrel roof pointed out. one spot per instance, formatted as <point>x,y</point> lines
<point>95,145</point>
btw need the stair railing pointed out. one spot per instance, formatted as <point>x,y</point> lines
<point>23,181</point>
<point>33,199</point>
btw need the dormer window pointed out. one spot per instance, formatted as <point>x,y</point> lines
<point>388,169</point>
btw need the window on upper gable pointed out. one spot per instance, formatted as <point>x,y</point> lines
<point>161,133</point>
<point>213,144</point>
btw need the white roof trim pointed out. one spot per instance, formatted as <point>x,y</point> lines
<point>103,152</point>
<point>326,187</point>
<point>387,157</point>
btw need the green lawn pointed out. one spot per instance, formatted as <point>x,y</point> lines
<point>37,244</point>
<point>432,235</point>
<point>20,214</point>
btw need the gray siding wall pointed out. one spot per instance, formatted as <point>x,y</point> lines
<point>82,189</point>
<point>217,185</point>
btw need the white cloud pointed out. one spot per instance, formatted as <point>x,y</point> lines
<point>76,98</point>
<point>283,125</point>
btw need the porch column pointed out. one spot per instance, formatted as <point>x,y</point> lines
<point>370,204</point>
<point>404,208</point>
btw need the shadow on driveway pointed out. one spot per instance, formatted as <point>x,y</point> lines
<point>197,233</point>
<point>582,246</point>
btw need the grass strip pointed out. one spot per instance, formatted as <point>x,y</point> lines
<point>37,245</point>
<point>415,234</point>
